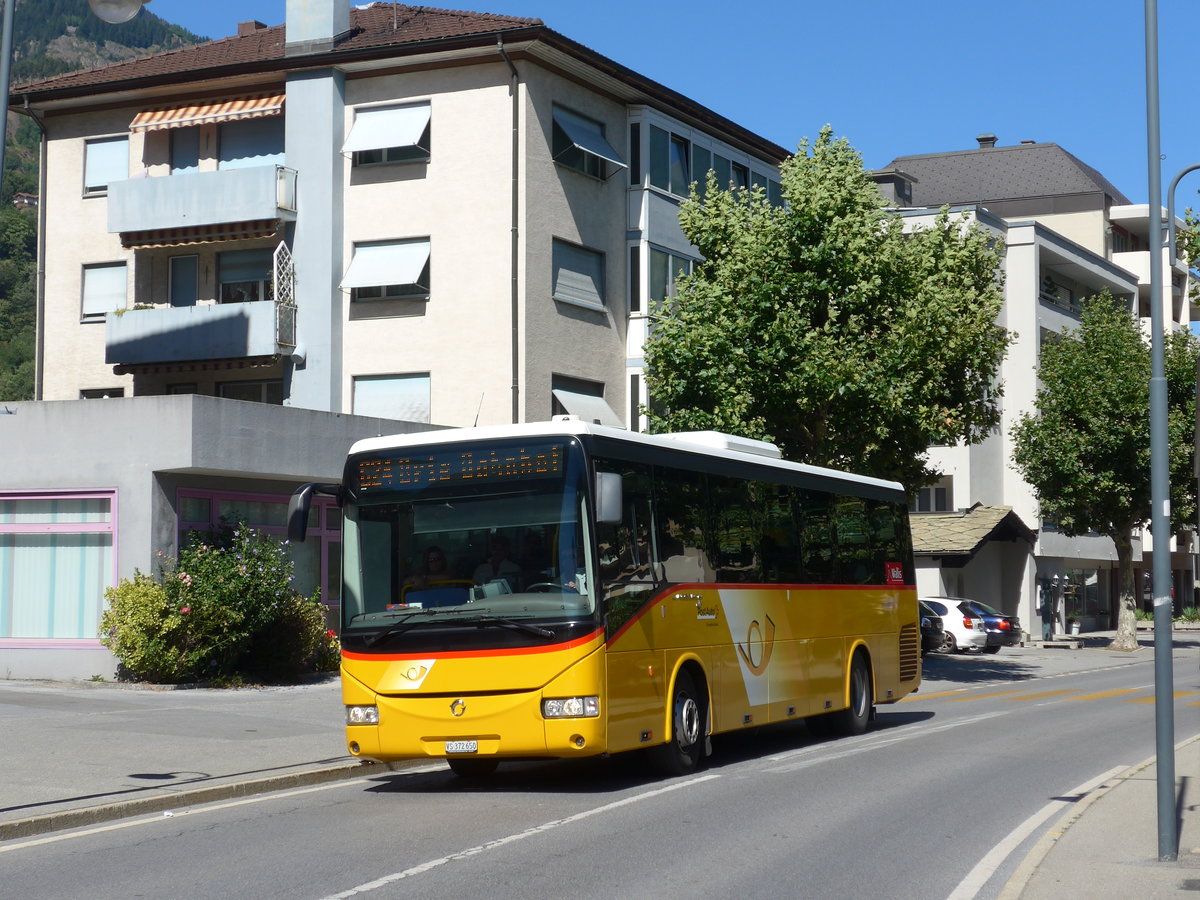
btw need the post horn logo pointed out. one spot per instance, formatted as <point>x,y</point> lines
<point>765,638</point>
<point>457,708</point>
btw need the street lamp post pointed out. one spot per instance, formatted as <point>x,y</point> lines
<point>1160,513</point>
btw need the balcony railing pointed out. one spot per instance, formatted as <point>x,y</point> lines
<point>201,199</point>
<point>194,333</point>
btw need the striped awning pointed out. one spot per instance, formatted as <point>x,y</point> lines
<point>198,234</point>
<point>204,113</point>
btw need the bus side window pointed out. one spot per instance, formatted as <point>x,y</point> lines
<point>855,562</point>
<point>736,529</point>
<point>624,558</point>
<point>778,548</point>
<point>680,519</point>
<point>814,516</point>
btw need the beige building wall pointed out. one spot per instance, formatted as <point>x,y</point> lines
<point>76,234</point>
<point>460,201</point>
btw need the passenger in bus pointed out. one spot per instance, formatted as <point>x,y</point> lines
<point>498,564</point>
<point>434,568</point>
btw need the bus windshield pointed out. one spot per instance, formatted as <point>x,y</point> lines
<point>467,532</point>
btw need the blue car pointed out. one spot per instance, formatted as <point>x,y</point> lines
<point>1002,630</point>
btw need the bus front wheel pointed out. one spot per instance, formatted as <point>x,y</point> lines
<point>682,752</point>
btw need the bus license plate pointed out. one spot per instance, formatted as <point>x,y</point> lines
<point>462,746</point>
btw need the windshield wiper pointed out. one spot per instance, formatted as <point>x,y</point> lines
<point>427,617</point>
<point>527,627</point>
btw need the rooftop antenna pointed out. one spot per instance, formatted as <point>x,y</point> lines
<point>478,409</point>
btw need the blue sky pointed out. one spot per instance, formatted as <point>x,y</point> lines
<point>894,78</point>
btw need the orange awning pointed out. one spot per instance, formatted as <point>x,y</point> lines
<point>204,113</point>
<point>198,234</point>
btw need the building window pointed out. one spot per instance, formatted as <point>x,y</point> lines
<point>578,275</point>
<point>104,290</point>
<point>318,559</point>
<point>665,268</point>
<point>390,134</point>
<point>934,498</point>
<point>56,561</point>
<point>105,161</point>
<point>253,391</point>
<point>669,162</point>
<point>245,276</point>
<point>580,397</point>
<point>741,176</point>
<point>183,289</point>
<point>402,397</point>
<point>251,142</point>
<point>389,270</point>
<point>185,150</point>
<point>101,393</point>
<point>579,143</point>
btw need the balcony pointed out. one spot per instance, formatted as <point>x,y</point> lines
<point>201,200</point>
<point>252,333</point>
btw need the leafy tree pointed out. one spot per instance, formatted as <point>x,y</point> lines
<point>821,325</point>
<point>1086,449</point>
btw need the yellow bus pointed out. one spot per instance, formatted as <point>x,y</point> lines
<point>565,589</point>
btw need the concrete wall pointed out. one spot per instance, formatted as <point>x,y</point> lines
<point>142,448</point>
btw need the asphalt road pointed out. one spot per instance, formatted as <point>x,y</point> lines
<point>912,809</point>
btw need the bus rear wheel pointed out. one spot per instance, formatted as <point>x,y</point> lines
<point>682,752</point>
<point>853,720</point>
<point>472,766</point>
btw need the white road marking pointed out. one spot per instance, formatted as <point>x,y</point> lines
<point>840,749</point>
<point>518,836</point>
<point>153,818</point>
<point>970,886</point>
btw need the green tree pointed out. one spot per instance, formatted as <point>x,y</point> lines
<point>824,327</point>
<point>1086,449</point>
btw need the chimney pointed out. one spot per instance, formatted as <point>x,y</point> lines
<point>986,141</point>
<point>245,28</point>
<point>313,24</point>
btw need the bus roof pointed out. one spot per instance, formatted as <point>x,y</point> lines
<point>703,443</point>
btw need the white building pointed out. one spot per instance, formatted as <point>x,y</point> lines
<point>271,243</point>
<point>1068,234</point>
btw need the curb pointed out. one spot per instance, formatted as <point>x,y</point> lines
<point>94,815</point>
<point>1015,886</point>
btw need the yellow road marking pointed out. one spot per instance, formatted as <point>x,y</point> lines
<point>1105,694</point>
<point>920,696</point>
<point>1176,695</point>
<point>986,696</point>
<point>1039,695</point>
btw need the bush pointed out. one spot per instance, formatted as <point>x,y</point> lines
<point>1190,614</point>
<point>225,609</point>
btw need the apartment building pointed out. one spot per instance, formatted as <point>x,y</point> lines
<point>257,249</point>
<point>1068,234</point>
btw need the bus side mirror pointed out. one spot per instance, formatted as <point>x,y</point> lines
<point>299,505</point>
<point>608,498</point>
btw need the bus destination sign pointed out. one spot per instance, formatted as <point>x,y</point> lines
<point>478,465</point>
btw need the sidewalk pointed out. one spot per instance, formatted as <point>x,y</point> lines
<point>80,753</point>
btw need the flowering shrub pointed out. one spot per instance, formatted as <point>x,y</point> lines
<point>329,653</point>
<point>224,609</point>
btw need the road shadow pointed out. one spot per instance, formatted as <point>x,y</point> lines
<point>973,668</point>
<point>624,771</point>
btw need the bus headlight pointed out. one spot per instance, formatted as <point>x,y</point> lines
<point>362,715</point>
<point>571,707</point>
